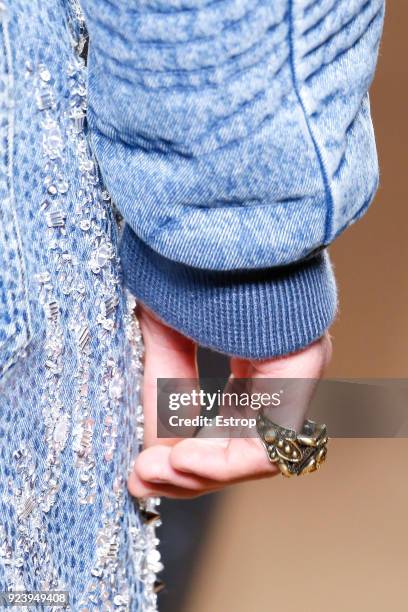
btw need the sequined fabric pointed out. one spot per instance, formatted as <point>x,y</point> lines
<point>70,345</point>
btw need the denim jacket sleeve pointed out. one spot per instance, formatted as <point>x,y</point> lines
<point>235,138</point>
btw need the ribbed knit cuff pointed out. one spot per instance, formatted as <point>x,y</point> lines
<point>254,314</point>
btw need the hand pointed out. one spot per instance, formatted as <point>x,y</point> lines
<point>185,468</point>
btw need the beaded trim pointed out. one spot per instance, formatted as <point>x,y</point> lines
<point>71,427</point>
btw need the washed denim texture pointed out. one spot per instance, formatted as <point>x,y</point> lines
<point>69,344</point>
<point>252,314</point>
<point>234,135</point>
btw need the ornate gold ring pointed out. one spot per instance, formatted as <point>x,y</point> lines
<point>294,453</point>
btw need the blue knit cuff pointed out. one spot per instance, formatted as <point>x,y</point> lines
<point>254,314</point>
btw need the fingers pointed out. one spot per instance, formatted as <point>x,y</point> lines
<point>154,474</point>
<point>224,461</point>
<point>195,467</point>
<point>296,376</point>
<point>168,354</point>
<point>142,489</point>
<point>166,341</point>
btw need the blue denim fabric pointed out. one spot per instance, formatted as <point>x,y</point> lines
<point>250,314</point>
<point>69,347</point>
<point>234,135</point>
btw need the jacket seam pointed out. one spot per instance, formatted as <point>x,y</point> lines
<point>323,172</point>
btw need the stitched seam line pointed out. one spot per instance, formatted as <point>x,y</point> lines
<point>325,178</point>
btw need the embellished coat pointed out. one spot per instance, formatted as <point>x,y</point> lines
<point>70,346</point>
<point>234,140</point>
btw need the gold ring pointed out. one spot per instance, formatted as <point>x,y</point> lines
<point>293,453</point>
